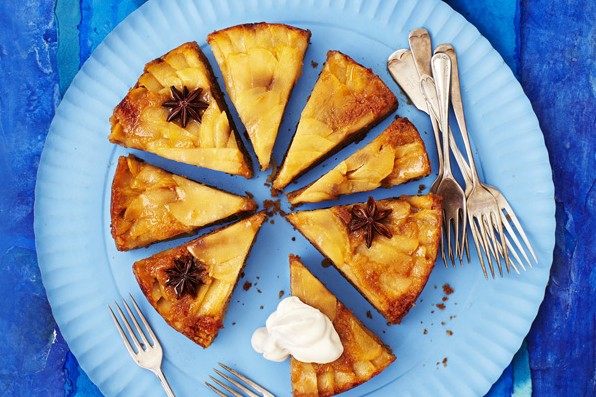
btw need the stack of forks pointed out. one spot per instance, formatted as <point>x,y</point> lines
<point>431,81</point>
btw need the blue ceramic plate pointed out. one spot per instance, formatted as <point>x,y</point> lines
<point>83,272</point>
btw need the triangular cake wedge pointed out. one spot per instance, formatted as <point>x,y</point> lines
<point>364,356</point>
<point>216,259</point>
<point>150,204</point>
<point>396,156</point>
<point>346,101</point>
<point>140,120</point>
<point>393,271</point>
<point>260,63</point>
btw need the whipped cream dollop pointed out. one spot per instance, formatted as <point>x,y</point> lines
<point>300,330</point>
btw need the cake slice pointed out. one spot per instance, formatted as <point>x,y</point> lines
<point>190,285</point>
<point>396,156</point>
<point>385,248</point>
<point>150,204</point>
<point>260,63</point>
<point>176,110</point>
<point>347,100</point>
<point>364,356</point>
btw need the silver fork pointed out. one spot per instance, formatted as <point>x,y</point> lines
<point>402,68</point>
<point>145,354</point>
<point>241,382</point>
<point>501,211</point>
<point>454,199</point>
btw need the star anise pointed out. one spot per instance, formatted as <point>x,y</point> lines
<point>186,105</point>
<point>370,219</point>
<point>186,276</point>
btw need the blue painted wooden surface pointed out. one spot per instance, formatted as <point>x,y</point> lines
<point>549,45</point>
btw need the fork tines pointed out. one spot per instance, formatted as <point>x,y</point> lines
<point>238,385</point>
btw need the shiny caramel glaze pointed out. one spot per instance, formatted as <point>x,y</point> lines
<point>140,121</point>
<point>150,204</point>
<point>364,356</point>
<point>347,101</point>
<point>260,63</point>
<point>393,271</point>
<point>223,252</point>
<point>396,156</point>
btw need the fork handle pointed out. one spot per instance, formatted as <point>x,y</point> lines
<point>164,383</point>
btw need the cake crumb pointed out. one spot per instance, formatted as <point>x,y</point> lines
<point>421,188</point>
<point>293,238</point>
<point>272,207</point>
<point>261,307</point>
<point>247,285</point>
<point>368,314</point>
<point>447,289</point>
<point>440,306</point>
<point>449,332</point>
<point>444,362</point>
<point>314,64</point>
<point>259,291</point>
<point>281,293</point>
<point>234,323</point>
<point>425,331</point>
<point>445,299</point>
<point>326,263</point>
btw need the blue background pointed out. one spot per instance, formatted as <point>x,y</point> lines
<point>548,44</point>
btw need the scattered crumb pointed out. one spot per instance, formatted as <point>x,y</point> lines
<point>368,314</point>
<point>388,324</point>
<point>261,307</point>
<point>449,332</point>
<point>432,311</point>
<point>440,306</point>
<point>234,323</point>
<point>259,291</point>
<point>445,299</point>
<point>274,192</point>
<point>314,64</point>
<point>434,286</point>
<point>444,362</point>
<point>242,274</point>
<point>258,277</point>
<point>293,238</point>
<point>447,289</point>
<point>281,293</point>
<point>272,221</point>
<point>442,322</point>
<point>421,188</point>
<point>247,285</point>
<point>272,207</point>
<point>326,262</point>
<point>408,100</point>
<point>508,217</point>
<point>425,331</point>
